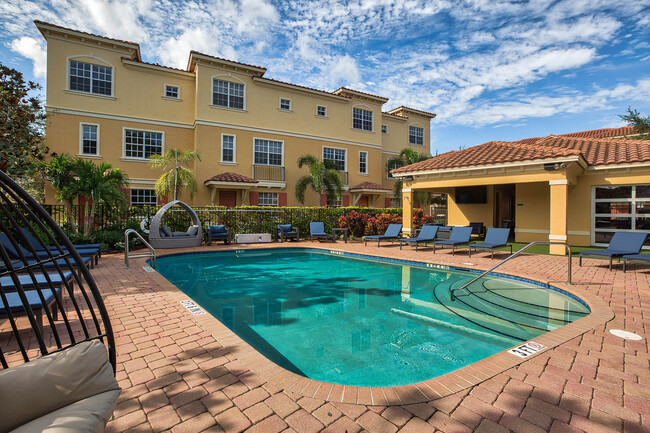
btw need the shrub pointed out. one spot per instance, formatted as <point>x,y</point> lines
<point>378,224</point>
<point>355,222</point>
<point>419,218</point>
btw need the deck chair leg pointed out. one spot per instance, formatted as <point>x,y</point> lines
<point>610,263</point>
<point>580,261</point>
<point>624,263</point>
<point>453,250</point>
<point>492,256</point>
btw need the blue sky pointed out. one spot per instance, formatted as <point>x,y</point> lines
<point>490,69</point>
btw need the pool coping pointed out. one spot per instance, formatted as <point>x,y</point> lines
<point>431,389</point>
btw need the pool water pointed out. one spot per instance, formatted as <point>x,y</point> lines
<point>362,321</point>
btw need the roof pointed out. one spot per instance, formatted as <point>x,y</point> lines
<point>230,177</point>
<point>346,91</point>
<point>602,133</point>
<point>259,69</point>
<point>370,186</point>
<point>395,111</point>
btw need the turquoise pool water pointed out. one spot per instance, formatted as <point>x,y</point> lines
<point>361,321</point>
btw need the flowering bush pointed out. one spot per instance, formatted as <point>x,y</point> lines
<point>419,218</point>
<point>355,222</point>
<point>378,224</point>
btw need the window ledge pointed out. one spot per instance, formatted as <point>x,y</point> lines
<point>237,110</point>
<point>321,117</point>
<point>228,162</point>
<point>169,98</point>
<point>363,174</point>
<point>363,130</point>
<point>92,95</point>
<point>284,110</point>
<point>83,155</point>
<point>416,144</point>
<point>145,160</point>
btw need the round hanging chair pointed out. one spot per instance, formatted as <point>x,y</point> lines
<point>160,236</point>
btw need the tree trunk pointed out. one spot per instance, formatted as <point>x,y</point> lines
<point>86,220</point>
<point>67,206</point>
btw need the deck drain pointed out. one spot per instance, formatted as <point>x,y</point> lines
<point>625,334</point>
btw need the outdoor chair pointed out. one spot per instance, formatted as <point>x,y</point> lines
<point>495,238</point>
<point>635,258</point>
<point>287,231</point>
<point>478,229</point>
<point>219,233</point>
<point>426,235</point>
<point>17,251</point>
<point>622,244</point>
<point>459,236</point>
<point>29,240</point>
<point>317,231</point>
<point>392,232</point>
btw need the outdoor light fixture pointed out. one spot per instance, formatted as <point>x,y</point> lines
<point>554,166</point>
<point>408,178</point>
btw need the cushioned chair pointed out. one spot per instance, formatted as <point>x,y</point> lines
<point>392,232</point>
<point>29,240</point>
<point>635,258</point>
<point>459,236</point>
<point>426,235</point>
<point>317,231</point>
<point>287,231</point>
<point>622,244</point>
<point>495,238</point>
<point>218,233</point>
<point>15,251</point>
<point>160,236</point>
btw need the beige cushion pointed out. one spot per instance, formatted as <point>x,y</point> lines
<point>46,384</point>
<point>89,415</point>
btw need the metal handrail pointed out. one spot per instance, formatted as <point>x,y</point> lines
<point>127,256</point>
<point>451,292</point>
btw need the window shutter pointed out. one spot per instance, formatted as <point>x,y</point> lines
<point>282,199</point>
<point>253,198</point>
<point>346,200</point>
<point>323,200</point>
<point>387,202</point>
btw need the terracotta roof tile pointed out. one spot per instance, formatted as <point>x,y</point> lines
<point>602,133</point>
<point>371,186</point>
<point>393,114</point>
<point>225,60</point>
<point>39,22</point>
<point>405,108</point>
<point>230,177</point>
<point>345,89</point>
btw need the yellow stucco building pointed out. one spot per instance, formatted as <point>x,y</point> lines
<point>578,188</point>
<point>106,104</point>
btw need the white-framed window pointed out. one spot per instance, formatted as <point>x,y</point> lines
<point>336,155</point>
<point>285,104</point>
<point>384,129</point>
<point>90,78</point>
<point>228,146</point>
<point>395,202</point>
<point>173,92</point>
<point>143,197</point>
<point>335,203</point>
<point>416,135</point>
<point>619,208</point>
<point>361,119</point>
<point>321,111</point>
<point>227,94</point>
<point>89,139</point>
<point>393,166</point>
<point>142,144</point>
<point>267,199</point>
<point>363,162</point>
<point>268,152</point>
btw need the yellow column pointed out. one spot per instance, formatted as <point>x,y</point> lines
<point>558,214</point>
<point>407,210</point>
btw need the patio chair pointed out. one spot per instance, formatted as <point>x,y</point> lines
<point>478,229</point>
<point>635,258</point>
<point>427,234</point>
<point>495,238</point>
<point>459,236</point>
<point>622,244</point>
<point>219,233</point>
<point>392,232</point>
<point>25,237</point>
<point>317,231</point>
<point>17,251</point>
<point>287,231</point>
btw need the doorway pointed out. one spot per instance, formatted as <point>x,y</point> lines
<point>504,207</point>
<point>227,198</point>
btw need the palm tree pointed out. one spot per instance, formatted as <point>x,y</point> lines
<point>176,177</point>
<point>60,171</point>
<point>99,184</point>
<point>323,177</point>
<point>407,157</point>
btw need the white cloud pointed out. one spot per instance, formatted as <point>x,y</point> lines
<point>34,50</point>
<point>343,71</point>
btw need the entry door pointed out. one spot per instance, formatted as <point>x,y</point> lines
<point>504,206</point>
<point>227,198</point>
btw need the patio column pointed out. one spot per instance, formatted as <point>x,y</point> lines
<point>558,214</point>
<point>407,210</point>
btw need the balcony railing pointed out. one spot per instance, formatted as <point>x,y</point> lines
<point>268,172</point>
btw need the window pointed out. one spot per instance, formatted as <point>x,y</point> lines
<point>142,144</point>
<point>335,203</point>
<point>227,148</point>
<point>336,155</point>
<point>363,162</point>
<point>143,197</point>
<point>395,202</point>
<point>89,139</point>
<point>86,77</point>
<point>384,129</point>
<point>362,119</point>
<point>285,104</point>
<point>268,152</point>
<point>620,208</point>
<point>321,111</point>
<point>268,199</point>
<point>227,94</point>
<point>393,166</point>
<point>416,135</point>
<point>172,91</point>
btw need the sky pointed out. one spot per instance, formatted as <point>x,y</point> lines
<point>489,69</point>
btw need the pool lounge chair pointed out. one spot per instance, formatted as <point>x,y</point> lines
<point>495,238</point>
<point>426,235</point>
<point>622,244</point>
<point>317,231</point>
<point>28,239</point>
<point>219,233</point>
<point>635,258</point>
<point>392,233</point>
<point>15,253</point>
<point>287,231</point>
<point>459,236</point>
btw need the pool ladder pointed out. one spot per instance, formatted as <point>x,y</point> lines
<point>127,256</point>
<point>568,248</point>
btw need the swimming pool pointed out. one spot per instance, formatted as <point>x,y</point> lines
<point>362,321</point>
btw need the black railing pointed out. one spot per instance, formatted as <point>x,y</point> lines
<point>268,172</point>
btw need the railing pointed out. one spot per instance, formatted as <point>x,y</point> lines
<point>568,248</point>
<point>151,254</point>
<point>268,172</point>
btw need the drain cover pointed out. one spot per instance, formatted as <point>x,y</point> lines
<point>625,334</point>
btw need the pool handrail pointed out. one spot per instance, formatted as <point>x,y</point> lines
<point>151,254</point>
<point>568,248</point>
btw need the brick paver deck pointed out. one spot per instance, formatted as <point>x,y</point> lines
<point>184,373</point>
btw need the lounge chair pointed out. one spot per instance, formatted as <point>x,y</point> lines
<point>317,231</point>
<point>15,253</point>
<point>287,231</point>
<point>635,258</point>
<point>459,236</point>
<point>28,239</point>
<point>392,233</point>
<point>219,233</point>
<point>495,238</point>
<point>622,244</point>
<point>427,234</point>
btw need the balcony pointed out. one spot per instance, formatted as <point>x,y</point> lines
<point>268,172</point>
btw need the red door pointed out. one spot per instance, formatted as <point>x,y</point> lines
<point>228,198</point>
<point>363,201</point>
